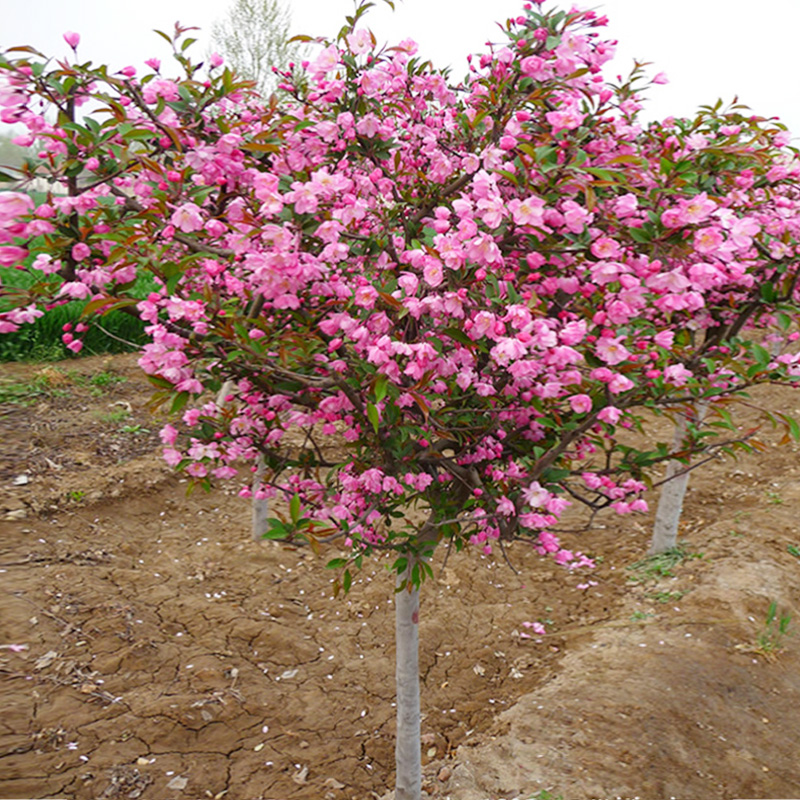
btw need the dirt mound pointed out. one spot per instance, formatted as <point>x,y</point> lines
<point>150,649</point>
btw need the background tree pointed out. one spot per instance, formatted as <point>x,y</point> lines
<point>253,38</point>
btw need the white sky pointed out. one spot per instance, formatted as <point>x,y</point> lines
<point>708,48</point>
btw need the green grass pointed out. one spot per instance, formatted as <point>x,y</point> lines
<point>114,416</point>
<point>665,597</point>
<point>660,565</point>
<point>55,382</point>
<point>26,394</point>
<point>775,630</point>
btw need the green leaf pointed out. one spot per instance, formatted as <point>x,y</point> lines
<point>347,581</point>
<point>276,530</point>
<point>762,355</point>
<point>603,174</point>
<point>459,336</point>
<point>381,387</point>
<point>294,508</point>
<point>181,399</point>
<point>372,415</point>
<point>163,35</point>
<point>336,563</point>
<point>638,235</point>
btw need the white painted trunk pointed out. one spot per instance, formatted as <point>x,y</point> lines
<point>260,509</point>
<point>408,756</point>
<point>673,490</point>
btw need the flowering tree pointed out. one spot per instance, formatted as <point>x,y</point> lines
<point>457,299</point>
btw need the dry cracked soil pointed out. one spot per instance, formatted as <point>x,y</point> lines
<point>150,649</point>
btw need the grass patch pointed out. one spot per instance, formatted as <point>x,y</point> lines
<point>98,383</point>
<point>47,383</point>
<point>770,639</point>
<point>115,416</point>
<point>661,565</point>
<point>54,382</point>
<point>665,597</point>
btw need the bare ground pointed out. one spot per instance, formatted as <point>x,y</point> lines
<point>149,648</point>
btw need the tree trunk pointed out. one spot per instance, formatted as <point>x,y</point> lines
<point>408,756</point>
<point>260,508</point>
<point>408,747</point>
<point>673,490</point>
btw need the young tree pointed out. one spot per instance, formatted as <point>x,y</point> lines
<point>455,299</point>
<point>253,37</point>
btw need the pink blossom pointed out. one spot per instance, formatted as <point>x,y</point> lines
<point>528,211</point>
<point>581,403</point>
<point>11,255</point>
<point>697,209</point>
<point>604,247</point>
<point>168,434</point>
<point>610,414</point>
<point>432,272</point>
<point>366,296</point>
<point>188,218</point>
<point>536,627</point>
<point>677,374</point>
<point>612,351</point>
<point>168,90</point>
<point>14,205</point>
<point>72,39</point>
<point>566,118</point>
<point>80,251</point>
<point>708,240</point>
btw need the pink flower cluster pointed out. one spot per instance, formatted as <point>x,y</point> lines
<point>458,296</point>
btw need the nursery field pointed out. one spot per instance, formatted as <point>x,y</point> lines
<point>150,649</point>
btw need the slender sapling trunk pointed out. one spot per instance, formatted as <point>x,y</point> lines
<point>673,490</point>
<point>408,758</point>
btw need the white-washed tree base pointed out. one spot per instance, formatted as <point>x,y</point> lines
<point>408,785</point>
<point>673,490</point>
<point>260,507</point>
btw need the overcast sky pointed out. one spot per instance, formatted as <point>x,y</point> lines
<point>708,48</point>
